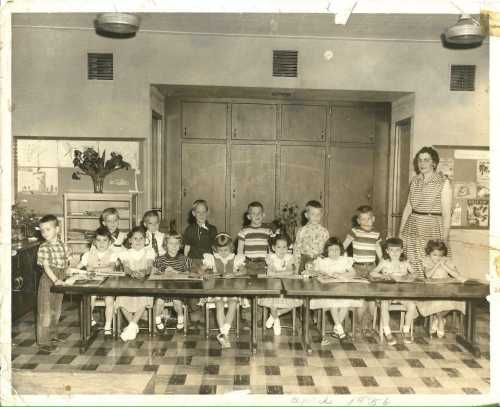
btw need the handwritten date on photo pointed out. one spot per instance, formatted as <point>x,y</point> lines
<point>355,401</point>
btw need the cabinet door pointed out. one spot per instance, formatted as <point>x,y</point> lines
<point>351,185</point>
<point>302,175</point>
<point>204,120</point>
<point>252,179</point>
<point>353,124</point>
<point>304,122</point>
<point>253,121</point>
<point>203,177</point>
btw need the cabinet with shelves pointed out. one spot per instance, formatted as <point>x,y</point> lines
<point>82,213</point>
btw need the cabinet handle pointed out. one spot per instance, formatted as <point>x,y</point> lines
<point>18,283</point>
<point>320,196</point>
<point>235,133</point>
<point>234,193</point>
<point>322,134</point>
<point>185,131</point>
<point>184,192</point>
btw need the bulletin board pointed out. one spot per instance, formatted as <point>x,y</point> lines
<point>468,169</point>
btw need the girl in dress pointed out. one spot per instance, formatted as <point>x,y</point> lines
<point>395,266</point>
<point>137,263</point>
<point>225,263</point>
<point>173,261</point>
<point>335,263</point>
<point>438,266</point>
<point>279,263</point>
<point>101,258</point>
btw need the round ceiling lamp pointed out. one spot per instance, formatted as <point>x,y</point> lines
<point>467,31</point>
<point>118,23</point>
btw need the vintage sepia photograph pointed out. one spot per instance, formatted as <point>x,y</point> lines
<point>279,203</point>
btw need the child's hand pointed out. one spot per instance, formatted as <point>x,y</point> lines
<point>461,279</point>
<point>169,269</point>
<point>59,282</point>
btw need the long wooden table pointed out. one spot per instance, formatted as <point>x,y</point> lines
<point>116,286</point>
<point>470,293</point>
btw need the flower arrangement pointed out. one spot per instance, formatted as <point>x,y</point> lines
<point>288,220</point>
<point>24,222</point>
<point>90,163</point>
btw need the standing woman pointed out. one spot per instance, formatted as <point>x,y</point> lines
<point>427,214</point>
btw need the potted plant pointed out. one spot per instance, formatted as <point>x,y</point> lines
<point>288,220</point>
<point>90,163</point>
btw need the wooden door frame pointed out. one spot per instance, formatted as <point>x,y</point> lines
<point>394,158</point>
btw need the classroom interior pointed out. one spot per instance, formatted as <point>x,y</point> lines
<point>197,105</point>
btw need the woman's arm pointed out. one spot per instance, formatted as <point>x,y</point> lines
<point>405,216</point>
<point>446,209</point>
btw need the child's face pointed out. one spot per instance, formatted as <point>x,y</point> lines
<point>200,214</point>
<point>436,255</point>
<point>137,241</point>
<point>152,223</point>
<point>173,247</point>
<point>255,215</point>
<point>49,230</point>
<point>224,251</point>
<point>366,220</point>
<point>333,252</point>
<point>394,252</point>
<point>314,215</point>
<point>101,243</point>
<point>111,222</point>
<point>280,248</point>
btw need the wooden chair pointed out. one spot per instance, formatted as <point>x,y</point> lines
<point>392,308</point>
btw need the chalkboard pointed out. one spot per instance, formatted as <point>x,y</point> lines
<point>468,169</point>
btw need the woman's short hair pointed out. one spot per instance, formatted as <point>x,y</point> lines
<point>429,150</point>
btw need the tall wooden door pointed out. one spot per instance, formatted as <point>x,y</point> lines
<point>252,179</point>
<point>351,185</point>
<point>203,177</point>
<point>302,175</point>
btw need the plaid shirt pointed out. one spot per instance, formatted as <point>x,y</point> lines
<point>56,253</point>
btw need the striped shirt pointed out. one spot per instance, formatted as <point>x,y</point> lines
<point>364,245</point>
<point>255,241</point>
<point>179,263</point>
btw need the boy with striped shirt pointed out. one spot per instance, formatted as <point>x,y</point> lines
<point>253,240</point>
<point>366,247</point>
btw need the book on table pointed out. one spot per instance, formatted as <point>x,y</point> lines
<point>326,280</point>
<point>174,276</point>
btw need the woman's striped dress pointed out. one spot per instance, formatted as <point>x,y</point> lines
<point>424,197</point>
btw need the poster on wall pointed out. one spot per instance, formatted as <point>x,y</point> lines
<point>445,166</point>
<point>478,212</point>
<point>483,171</point>
<point>37,181</point>
<point>464,190</point>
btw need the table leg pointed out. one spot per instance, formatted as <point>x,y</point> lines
<point>254,324</point>
<point>468,339</point>
<point>85,323</point>
<point>305,326</point>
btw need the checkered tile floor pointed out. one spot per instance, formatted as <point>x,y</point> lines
<point>195,365</point>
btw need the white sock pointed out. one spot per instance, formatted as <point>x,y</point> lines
<point>406,329</point>
<point>107,326</point>
<point>180,319</point>
<point>225,329</point>
<point>339,329</point>
<point>158,320</point>
<point>387,330</point>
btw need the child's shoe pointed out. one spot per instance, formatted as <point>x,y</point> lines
<point>128,333</point>
<point>220,339</point>
<point>93,323</point>
<point>270,322</point>
<point>434,325</point>
<point>390,339</point>
<point>407,338</point>
<point>277,327</point>
<point>226,344</point>
<point>338,330</point>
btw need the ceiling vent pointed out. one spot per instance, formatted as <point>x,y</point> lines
<point>462,77</point>
<point>100,66</point>
<point>285,63</point>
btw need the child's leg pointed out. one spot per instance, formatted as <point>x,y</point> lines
<point>108,312</point>
<point>44,311</point>
<point>158,307</point>
<point>219,313</point>
<point>411,314</point>
<point>128,315</point>
<point>136,316</point>
<point>385,317</point>
<point>274,312</point>
<point>231,312</point>
<point>56,309</point>
<point>178,306</point>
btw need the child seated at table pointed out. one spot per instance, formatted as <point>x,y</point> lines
<point>101,258</point>
<point>396,267</point>
<point>110,218</point>
<point>137,263</point>
<point>279,263</point>
<point>438,266</point>
<point>335,264</point>
<point>173,261</point>
<point>224,263</point>
<point>154,238</point>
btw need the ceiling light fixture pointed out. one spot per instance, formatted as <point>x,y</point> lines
<point>467,31</point>
<point>117,24</point>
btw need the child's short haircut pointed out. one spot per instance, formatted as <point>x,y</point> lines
<point>436,245</point>
<point>364,209</point>
<point>135,229</point>
<point>280,236</point>
<point>333,241</point>
<point>103,231</point>
<point>200,202</point>
<point>107,212</point>
<point>393,242</point>
<point>313,204</point>
<point>49,218</point>
<point>172,235</point>
<point>222,240</point>
<point>255,204</point>
<point>150,214</point>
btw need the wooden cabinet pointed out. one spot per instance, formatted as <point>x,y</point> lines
<point>302,174</point>
<point>204,177</point>
<point>353,124</point>
<point>253,121</point>
<point>82,212</point>
<point>25,274</point>
<point>351,185</point>
<point>304,122</point>
<point>253,174</point>
<point>204,120</point>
